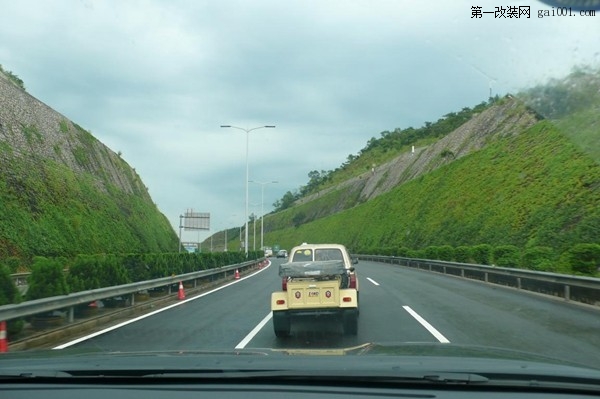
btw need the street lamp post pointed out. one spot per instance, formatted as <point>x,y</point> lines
<point>262,211</point>
<point>246,180</point>
<point>253,231</point>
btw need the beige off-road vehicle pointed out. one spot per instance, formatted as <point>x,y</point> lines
<point>319,280</point>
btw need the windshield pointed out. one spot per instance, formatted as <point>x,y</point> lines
<point>158,160</point>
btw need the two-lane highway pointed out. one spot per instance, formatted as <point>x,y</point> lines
<point>397,305</point>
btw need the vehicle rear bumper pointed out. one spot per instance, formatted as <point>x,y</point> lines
<point>307,313</point>
<point>348,300</point>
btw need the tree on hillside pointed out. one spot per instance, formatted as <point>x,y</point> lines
<point>9,294</point>
<point>14,78</point>
<point>315,179</point>
<point>285,202</point>
<point>47,279</point>
<point>584,258</point>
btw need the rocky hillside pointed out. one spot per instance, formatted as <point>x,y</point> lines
<point>519,174</point>
<point>532,191</point>
<point>503,118</point>
<point>31,129</point>
<point>506,117</point>
<point>64,192</point>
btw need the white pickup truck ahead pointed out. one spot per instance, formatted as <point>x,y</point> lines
<point>319,280</point>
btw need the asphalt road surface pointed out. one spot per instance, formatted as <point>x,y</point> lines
<point>397,305</point>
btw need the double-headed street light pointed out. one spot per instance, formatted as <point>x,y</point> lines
<point>246,180</point>
<point>262,211</point>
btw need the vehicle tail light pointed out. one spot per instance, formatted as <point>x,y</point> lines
<point>347,299</point>
<point>353,281</point>
<point>280,302</point>
<point>284,284</point>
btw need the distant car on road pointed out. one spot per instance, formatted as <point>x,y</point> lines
<point>282,253</point>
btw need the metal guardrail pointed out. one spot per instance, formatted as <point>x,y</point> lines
<point>570,288</point>
<point>69,301</point>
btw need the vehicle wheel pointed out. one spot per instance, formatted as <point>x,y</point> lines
<point>350,321</point>
<point>281,324</point>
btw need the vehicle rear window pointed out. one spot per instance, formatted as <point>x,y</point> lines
<point>328,254</point>
<point>302,255</point>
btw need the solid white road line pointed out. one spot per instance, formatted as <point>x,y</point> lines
<point>373,281</point>
<point>255,331</point>
<point>78,340</point>
<point>428,326</point>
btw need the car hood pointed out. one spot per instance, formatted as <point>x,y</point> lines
<point>382,358</point>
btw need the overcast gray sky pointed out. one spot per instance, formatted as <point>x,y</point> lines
<point>156,79</point>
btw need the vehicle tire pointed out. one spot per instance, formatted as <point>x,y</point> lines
<point>281,324</point>
<point>350,321</point>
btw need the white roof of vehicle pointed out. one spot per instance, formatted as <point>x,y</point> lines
<point>317,246</point>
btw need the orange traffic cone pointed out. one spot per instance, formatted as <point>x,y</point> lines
<point>180,294</point>
<point>3,337</point>
<point>237,274</point>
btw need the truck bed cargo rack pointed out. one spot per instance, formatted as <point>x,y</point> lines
<point>313,269</point>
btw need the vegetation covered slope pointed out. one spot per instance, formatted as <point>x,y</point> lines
<point>573,103</point>
<point>62,192</point>
<point>536,185</point>
<point>364,170</point>
<point>535,189</point>
<point>442,143</point>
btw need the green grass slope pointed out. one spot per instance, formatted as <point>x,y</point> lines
<point>573,103</point>
<point>535,189</point>
<point>46,209</point>
<point>63,192</point>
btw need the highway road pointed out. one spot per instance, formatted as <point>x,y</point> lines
<point>397,305</point>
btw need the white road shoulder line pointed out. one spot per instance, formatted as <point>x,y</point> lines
<point>255,331</point>
<point>428,326</point>
<point>373,281</point>
<point>85,338</point>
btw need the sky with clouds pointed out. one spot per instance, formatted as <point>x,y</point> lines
<point>156,79</point>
